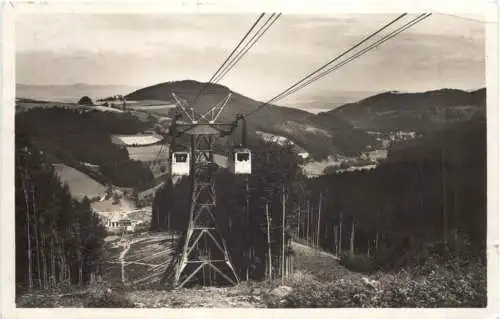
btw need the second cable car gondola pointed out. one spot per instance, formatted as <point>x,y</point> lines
<point>240,161</point>
<point>180,165</point>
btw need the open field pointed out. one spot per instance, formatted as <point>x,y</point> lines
<point>147,153</point>
<point>139,139</point>
<point>105,109</point>
<point>147,103</point>
<point>80,184</point>
<point>151,107</point>
<point>316,168</point>
<point>220,160</point>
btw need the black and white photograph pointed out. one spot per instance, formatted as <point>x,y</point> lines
<point>251,159</point>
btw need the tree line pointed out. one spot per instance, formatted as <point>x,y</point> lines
<point>428,197</point>
<point>58,240</point>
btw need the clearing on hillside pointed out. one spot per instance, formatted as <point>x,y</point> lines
<point>79,184</point>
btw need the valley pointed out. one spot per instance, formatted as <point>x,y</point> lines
<point>362,156</point>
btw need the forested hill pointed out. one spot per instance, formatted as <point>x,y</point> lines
<point>419,112</point>
<point>72,137</point>
<point>428,192</point>
<point>461,143</point>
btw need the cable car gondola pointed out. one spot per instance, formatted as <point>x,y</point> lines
<point>240,161</point>
<point>180,163</point>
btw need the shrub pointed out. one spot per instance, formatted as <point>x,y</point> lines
<point>351,293</point>
<point>457,283</point>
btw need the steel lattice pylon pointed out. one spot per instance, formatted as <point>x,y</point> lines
<point>204,252</point>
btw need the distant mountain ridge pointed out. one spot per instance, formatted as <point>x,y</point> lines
<point>431,110</point>
<point>344,130</point>
<point>69,93</point>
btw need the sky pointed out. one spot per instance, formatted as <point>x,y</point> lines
<point>144,49</point>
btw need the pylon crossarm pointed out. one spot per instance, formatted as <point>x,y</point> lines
<point>212,110</point>
<point>222,107</point>
<point>181,107</point>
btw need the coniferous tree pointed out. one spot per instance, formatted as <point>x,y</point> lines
<point>58,240</point>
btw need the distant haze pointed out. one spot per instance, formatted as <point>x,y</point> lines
<point>134,51</point>
<point>327,100</point>
<point>70,93</point>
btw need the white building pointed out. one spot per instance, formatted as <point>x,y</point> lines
<point>115,225</point>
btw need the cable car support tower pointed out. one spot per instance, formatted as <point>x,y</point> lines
<point>204,254</point>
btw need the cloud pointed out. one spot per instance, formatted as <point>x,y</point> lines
<point>146,49</point>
